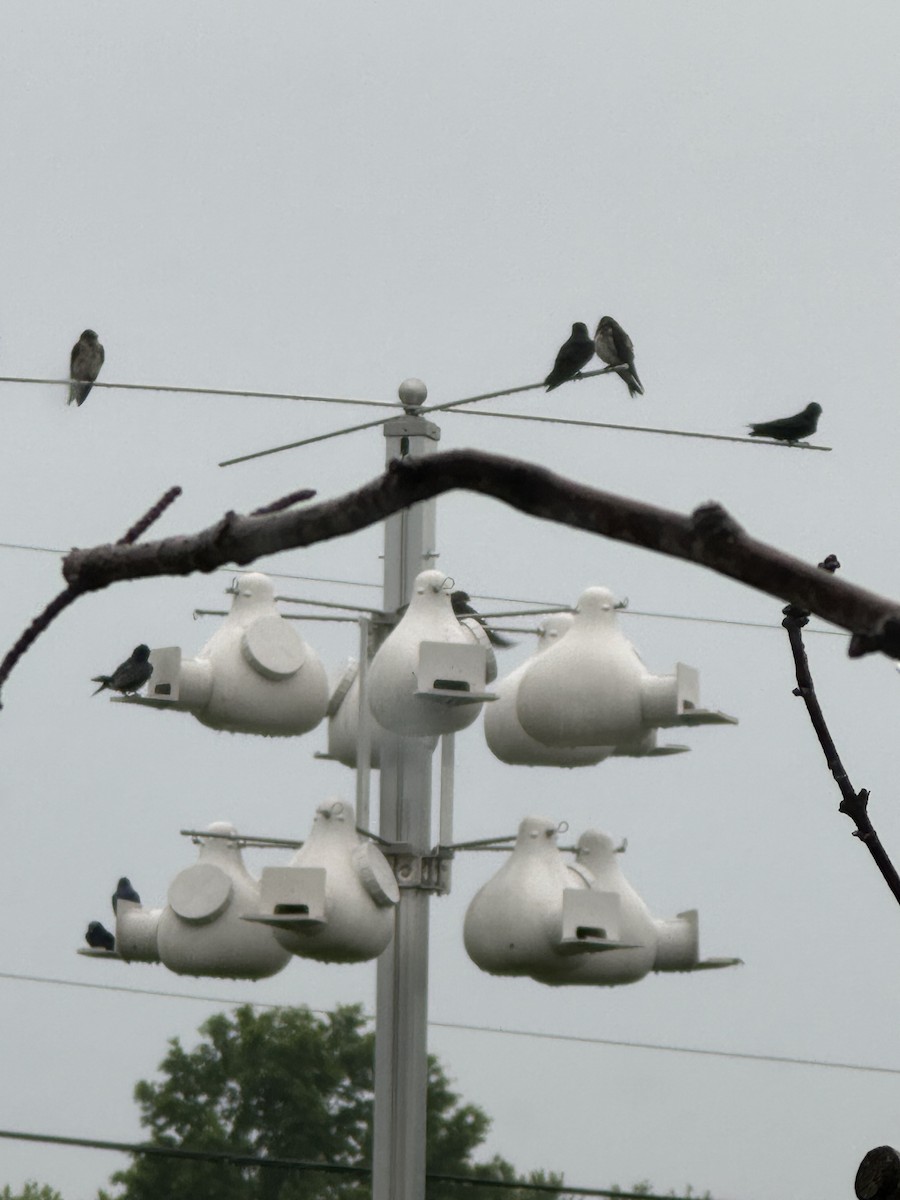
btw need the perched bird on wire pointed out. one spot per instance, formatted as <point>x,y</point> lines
<point>85,363</point>
<point>790,429</point>
<point>124,891</point>
<point>129,676</point>
<point>462,608</point>
<point>98,937</point>
<point>616,349</point>
<point>574,354</point>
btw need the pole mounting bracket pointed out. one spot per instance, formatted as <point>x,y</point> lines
<point>422,872</point>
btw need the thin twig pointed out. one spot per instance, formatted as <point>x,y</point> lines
<point>151,515</point>
<point>285,502</point>
<point>76,589</point>
<point>36,628</point>
<point>854,804</point>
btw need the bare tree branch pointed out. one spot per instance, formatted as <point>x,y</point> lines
<point>285,502</point>
<point>74,589</point>
<point>709,537</point>
<point>854,804</point>
<point>151,515</point>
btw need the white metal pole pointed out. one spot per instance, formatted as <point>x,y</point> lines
<point>363,730</point>
<point>401,1032</point>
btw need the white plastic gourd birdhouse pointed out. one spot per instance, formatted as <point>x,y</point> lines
<point>201,932</point>
<point>430,673</point>
<point>343,722</point>
<point>478,635</point>
<point>503,729</point>
<point>256,674</point>
<point>598,862</point>
<point>335,902</point>
<point>677,939</point>
<point>581,923</point>
<point>136,932</point>
<point>514,925</point>
<point>591,688</point>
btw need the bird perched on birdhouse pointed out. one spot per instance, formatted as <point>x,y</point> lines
<point>129,676</point>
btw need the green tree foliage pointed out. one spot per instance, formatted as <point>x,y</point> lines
<point>31,1191</point>
<point>284,1083</point>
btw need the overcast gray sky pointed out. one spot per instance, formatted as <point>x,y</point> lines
<point>329,198</point>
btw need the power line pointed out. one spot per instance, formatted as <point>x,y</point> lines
<point>715,437</point>
<point>252,394</point>
<point>218,570</point>
<point>628,612</point>
<point>234,1159</point>
<point>208,391</point>
<point>463,1027</point>
<point>427,410</point>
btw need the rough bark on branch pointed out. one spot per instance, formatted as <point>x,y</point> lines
<point>709,537</point>
<point>854,804</point>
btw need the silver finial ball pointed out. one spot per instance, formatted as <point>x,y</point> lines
<point>412,393</point>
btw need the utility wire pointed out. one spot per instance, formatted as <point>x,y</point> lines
<point>209,391</point>
<point>715,437</point>
<point>427,410</point>
<point>783,1059</point>
<point>298,1164</point>
<point>628,612</point>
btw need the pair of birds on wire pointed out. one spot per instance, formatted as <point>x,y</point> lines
<point>98,937</point>
<point>614,347</point>
<point>610,343</point>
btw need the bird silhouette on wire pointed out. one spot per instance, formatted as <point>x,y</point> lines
<point>615,348</point>
<point>124,891</point>
<point>576,352</point>
<point>462,608</point>
<point>790,429</point>
<point>98,937</point>
<point>129,676</point>
<point>84,366</point>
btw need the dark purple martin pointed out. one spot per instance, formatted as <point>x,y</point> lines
<point>615,348</point>
<point>85,363</point>
<point>574,354</point>
<point>462,608</point>
<point>124,891</point>
<point>129,676</point>
<point>98,937</point>
<point>790,429</point>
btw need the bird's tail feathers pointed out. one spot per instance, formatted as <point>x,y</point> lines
<point>103,680</point>
<point>629,376</point>
<point>501,642</point>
